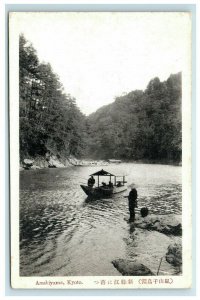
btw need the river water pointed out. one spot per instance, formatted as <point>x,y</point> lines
<point>62,234</point>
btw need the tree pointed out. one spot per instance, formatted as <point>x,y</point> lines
<point>140,125</point>
<point>49,119</point>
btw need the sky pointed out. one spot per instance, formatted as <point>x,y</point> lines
<point>99,56</point>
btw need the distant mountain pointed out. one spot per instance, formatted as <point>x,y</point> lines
<point>141,125</point>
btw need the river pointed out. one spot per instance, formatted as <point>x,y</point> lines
<point>62,234</point>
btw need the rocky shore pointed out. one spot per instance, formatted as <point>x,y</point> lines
<point>167,224</point>
<point>52,161</point>
<point>154,247</point>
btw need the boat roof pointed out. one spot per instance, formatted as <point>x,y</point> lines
<point>102,173</point>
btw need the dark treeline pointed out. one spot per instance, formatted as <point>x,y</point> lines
<point>142,125</point>
<point>49,119</point>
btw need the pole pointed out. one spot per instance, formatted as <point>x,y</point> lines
<point>98,180</point>
<point>159,265</point>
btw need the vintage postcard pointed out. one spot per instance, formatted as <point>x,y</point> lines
<point>100,150</point>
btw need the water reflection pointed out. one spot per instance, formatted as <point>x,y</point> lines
<point>61,233</point>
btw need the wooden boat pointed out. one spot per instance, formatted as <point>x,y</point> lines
<point>115,186</point>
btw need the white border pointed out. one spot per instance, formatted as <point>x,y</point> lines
<point>183,281</point>
<point>4,279</point>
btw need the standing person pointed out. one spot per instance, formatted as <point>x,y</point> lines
<point>91,181</point>
<point>132,203</point>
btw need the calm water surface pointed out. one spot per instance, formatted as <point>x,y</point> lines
<point>62,234</point>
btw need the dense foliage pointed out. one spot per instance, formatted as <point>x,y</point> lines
<point>140,125</point>
<point>49,119</point>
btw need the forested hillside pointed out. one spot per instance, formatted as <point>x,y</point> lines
<point>49,119</point>
<point>142,125</point>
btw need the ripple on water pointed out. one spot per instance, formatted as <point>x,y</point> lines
<point>61,234</point>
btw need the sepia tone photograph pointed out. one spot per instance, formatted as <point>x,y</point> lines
<point>100,149</point>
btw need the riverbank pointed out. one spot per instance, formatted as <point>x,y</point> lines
<point>155,162</point>
<point>53,161</point>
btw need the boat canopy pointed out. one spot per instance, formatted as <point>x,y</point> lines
<point>102,173</point>
<point>105,173</point>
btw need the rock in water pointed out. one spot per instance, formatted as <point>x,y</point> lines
<point>144,211</point>
<point>27,163</point>
<point>34,167</point>
<point>167,224</point>
<point>174,255</point>
<point>131,268</point>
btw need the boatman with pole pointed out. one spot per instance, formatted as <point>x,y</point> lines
<point>132,204</point>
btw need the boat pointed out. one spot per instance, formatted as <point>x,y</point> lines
<point>117,184</point>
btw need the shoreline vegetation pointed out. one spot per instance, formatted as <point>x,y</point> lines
<point>139,126</point>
